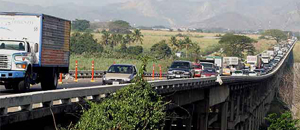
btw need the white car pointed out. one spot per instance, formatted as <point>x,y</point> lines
<point>237,73</point>
<point>252,73</point>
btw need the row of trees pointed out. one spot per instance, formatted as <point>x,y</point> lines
<point>113,39</point>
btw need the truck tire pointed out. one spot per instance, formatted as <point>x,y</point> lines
<point>49,80</point>
<point>8,86</point>
<point>22,85</point>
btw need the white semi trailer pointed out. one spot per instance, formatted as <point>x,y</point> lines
<point>34,48</point>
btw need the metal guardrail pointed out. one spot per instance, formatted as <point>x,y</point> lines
<point>99,74</point>
<point>46,99</point>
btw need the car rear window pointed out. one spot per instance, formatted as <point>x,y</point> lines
<point>180,65</point>
<point>120,69</point>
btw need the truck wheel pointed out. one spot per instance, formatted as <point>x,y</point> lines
<point>8,86</point>
<point>22,85</point>
<point>49,81</point>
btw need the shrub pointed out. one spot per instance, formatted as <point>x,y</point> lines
<point>135,50</point>
<point>84,43</point>
<point>283,122</point>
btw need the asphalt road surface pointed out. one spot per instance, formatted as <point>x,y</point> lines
<point>66,84</point>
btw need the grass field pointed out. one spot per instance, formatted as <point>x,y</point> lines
<point>152,37</point>
<point>104,63</point>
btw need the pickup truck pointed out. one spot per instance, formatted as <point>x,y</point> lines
<point>181,69</point>
<point>34,48</point>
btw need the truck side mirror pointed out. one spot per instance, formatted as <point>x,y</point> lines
<point>36,48</point>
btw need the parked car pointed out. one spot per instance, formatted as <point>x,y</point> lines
<point>237,73</point>
<point>209,72</point>
<point>198,69</point>
<point>252,73</point>
<point>119,73</point>
<point>181,69</point>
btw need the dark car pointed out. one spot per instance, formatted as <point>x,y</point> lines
<point>209,72</point>
<point>260,72</point>
<point>181,69</point>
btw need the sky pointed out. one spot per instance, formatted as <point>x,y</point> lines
<point>46,3</point>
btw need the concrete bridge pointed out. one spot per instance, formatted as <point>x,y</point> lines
<point>217,103</point>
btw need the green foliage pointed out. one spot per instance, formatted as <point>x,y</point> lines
<point>276,34</point>
<point>119,26</point>
<point>105,37</point>
<point>135,50</point>
<point>84,43</point>
<point>161,50</point>
<point>283,122</point>
<point>237,45</point>
<point>136,106</point>
<point>137,36</point>
<point>80,25</point>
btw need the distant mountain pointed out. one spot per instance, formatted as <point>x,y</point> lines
<point>229,14</point>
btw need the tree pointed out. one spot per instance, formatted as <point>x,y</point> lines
<point>127,39</point>
<point>80,25</point>
<point>283,122</point>
<point>105,37</point>
<point>237,45</point>
<point>137,36</point>
<point>119,26</point>
<point>276,34</point>
<point>161,50</point>
<point>174,44</point>
<point>84,43</point>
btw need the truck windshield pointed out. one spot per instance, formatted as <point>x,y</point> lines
<point>12,45</point>
<point>180,65</point>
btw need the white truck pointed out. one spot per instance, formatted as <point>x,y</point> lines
<point>271,54</point>
<point>34,48</point>
<point>265,58</point>
<point>253,62</point>
<point>232,62</point>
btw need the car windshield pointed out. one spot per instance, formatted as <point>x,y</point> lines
<point>184,65</point>
<point>238,72</point>
<point>207,65</point>
<point>12,45</point>
<point>120,69</point>
<point>197,66</point>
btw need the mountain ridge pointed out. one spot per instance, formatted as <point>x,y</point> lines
<point>230,14</point>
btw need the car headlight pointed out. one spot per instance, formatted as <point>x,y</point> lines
<point>126,80</point>
<point>21,66</point>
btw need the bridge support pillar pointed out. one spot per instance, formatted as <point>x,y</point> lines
<point>202,114</point>
<point>224,116</point>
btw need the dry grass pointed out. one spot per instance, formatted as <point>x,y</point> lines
<point>297,52</point>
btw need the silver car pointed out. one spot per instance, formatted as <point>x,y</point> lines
<point>119,74</point>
